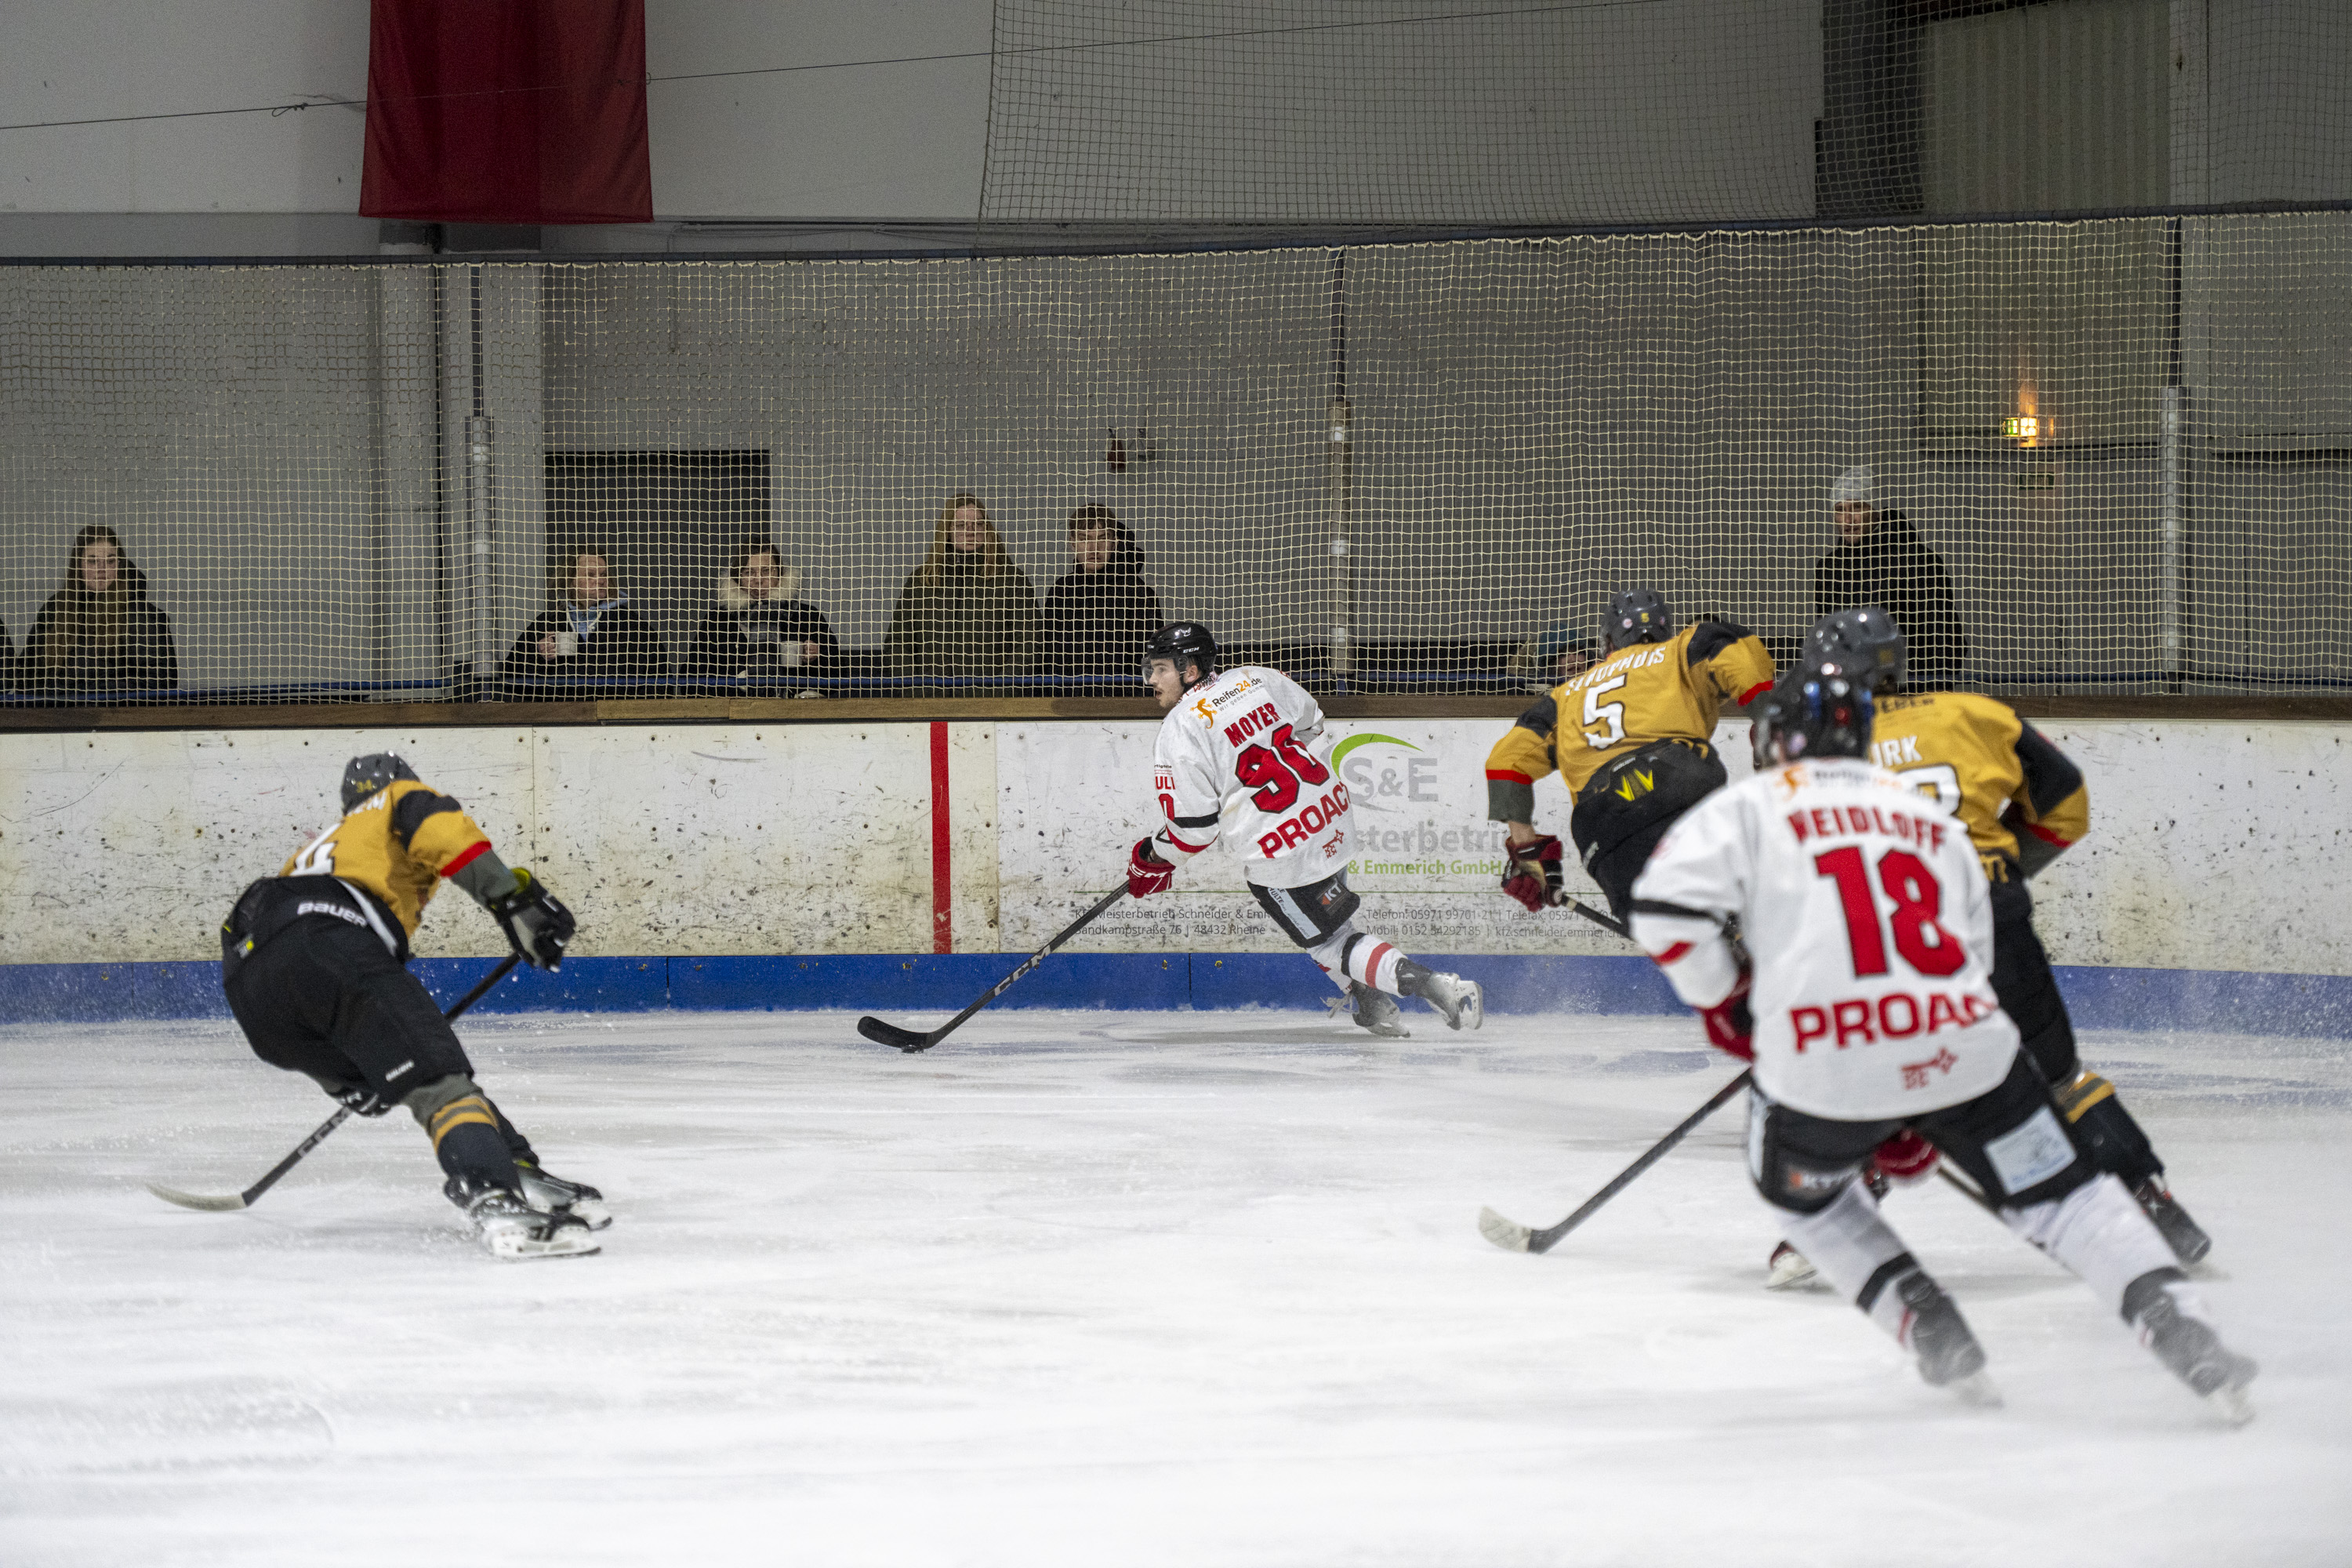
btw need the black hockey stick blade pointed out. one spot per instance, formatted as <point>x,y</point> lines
<point>198,1200</point>
<point>883,1034</point>
<point>1513,1237</point>
<point>246,1198</point>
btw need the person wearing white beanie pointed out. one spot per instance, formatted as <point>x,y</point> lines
<point>1881,560</point>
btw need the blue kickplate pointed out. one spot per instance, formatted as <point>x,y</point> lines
<point>2148,999</point>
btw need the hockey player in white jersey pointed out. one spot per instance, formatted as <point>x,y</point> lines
<point>1242,756</point>
<point>1865,1001</point>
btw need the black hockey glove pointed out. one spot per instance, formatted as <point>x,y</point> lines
<point>1531,872</point>
<point>537,925</point>
<point>361,1101</point>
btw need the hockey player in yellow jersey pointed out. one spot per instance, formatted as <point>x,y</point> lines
<point>314,962</point>
<point>2024,803</point>
<point>1631,737</point>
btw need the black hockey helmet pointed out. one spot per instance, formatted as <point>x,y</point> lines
<point>1864,644</point>
<point>1635,614</point>
<point>1814,711</point>
<point>364,776</point>
<point>1181,643</point>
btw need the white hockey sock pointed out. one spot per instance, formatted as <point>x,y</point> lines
<point>1350,954</point>
<point>2097,1231</point>
<point>1859,1253</point>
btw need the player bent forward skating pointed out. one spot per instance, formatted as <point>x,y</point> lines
<point>1242,755</point>
<point>1872,1013</point>
<point>314,961</point>
<point>2023,803</point>
<point>1632,737</point>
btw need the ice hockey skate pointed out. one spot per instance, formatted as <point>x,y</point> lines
<point>1462,1002</point>
<point>1791,1269</point>
<point>1377,1012</point>
<point>1946,1348</point>
<point>2173,1327</point>
<point>513,1230</point>
<point>554,1195</point>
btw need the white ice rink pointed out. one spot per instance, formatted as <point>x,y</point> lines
<point>1107,1289</point>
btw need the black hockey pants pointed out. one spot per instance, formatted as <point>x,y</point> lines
<point>323,998</point>
<point>1626,808</point>
<point>2011,1140</point>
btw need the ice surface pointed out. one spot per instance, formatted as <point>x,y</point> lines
<point>1107,1288</point>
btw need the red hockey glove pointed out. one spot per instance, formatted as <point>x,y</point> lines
<point>1906,1158</point>
<point>1147,873</point>
<point>1531,872</point>
<point>1730,1026</point>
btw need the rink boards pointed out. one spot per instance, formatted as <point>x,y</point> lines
<point>874,865</point>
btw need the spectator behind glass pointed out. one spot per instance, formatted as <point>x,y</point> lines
<point>8,660</point>
<point>967,609</point>
<point>759,627</point>
<point>1880,560</point>
<point>1098,618</point>
<point>590,634</point>
<point>99,634</point>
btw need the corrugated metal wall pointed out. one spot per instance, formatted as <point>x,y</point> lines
<point>2056,108</point>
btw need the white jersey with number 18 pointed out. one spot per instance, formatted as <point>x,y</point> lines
<point>1243,757</point>
<point>1870,924</point>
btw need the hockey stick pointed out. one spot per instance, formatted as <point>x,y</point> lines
<point>1966,1189</point>
<point>1606,922</point>
<point>883,1034</point>
<point>244,1200</point>
<point>1559,900</point>
<point>1513,1237</point>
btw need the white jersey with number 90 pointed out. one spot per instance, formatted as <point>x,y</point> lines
<point>1244,758</point>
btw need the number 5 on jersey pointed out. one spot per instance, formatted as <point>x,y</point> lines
<point>1610,713</point>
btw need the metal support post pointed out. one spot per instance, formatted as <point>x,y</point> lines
<point>2167,534</point>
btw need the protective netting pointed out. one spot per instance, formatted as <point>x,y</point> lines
<point>2127,444</point>
<point>1302,114</point>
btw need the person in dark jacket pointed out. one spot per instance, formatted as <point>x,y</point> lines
<point>1098,616</point>
<point>8,660</point>
<point>99,634</point>
<point>590,634</point>
<point>759,628</point>
<point>1881,560</point>
<point>966,608</point>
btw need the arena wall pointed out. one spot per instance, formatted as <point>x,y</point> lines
<point>864,865</point>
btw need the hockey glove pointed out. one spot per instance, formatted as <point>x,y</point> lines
<point>361,1101</point>
<point>537,925</point>
<point>1730,1026</point>
<point>1532,873</point>
<point>1147,873</point>
<point>1906,1158</point>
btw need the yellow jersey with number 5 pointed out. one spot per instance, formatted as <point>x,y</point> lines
<point>1651,691</point>
<point>398,844</point>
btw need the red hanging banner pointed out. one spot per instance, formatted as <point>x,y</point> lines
<point>507,111</point>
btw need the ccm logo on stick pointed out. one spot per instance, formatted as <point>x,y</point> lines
<point>1897,1016</point>
<point>1317,815</point>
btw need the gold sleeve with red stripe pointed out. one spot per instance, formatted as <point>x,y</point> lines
<point>1735,661</point>
<point>435,829</point>
<point>2052,808</point>
<point>1523,755</point>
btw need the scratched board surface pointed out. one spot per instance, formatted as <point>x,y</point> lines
<point>2212,846</point>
